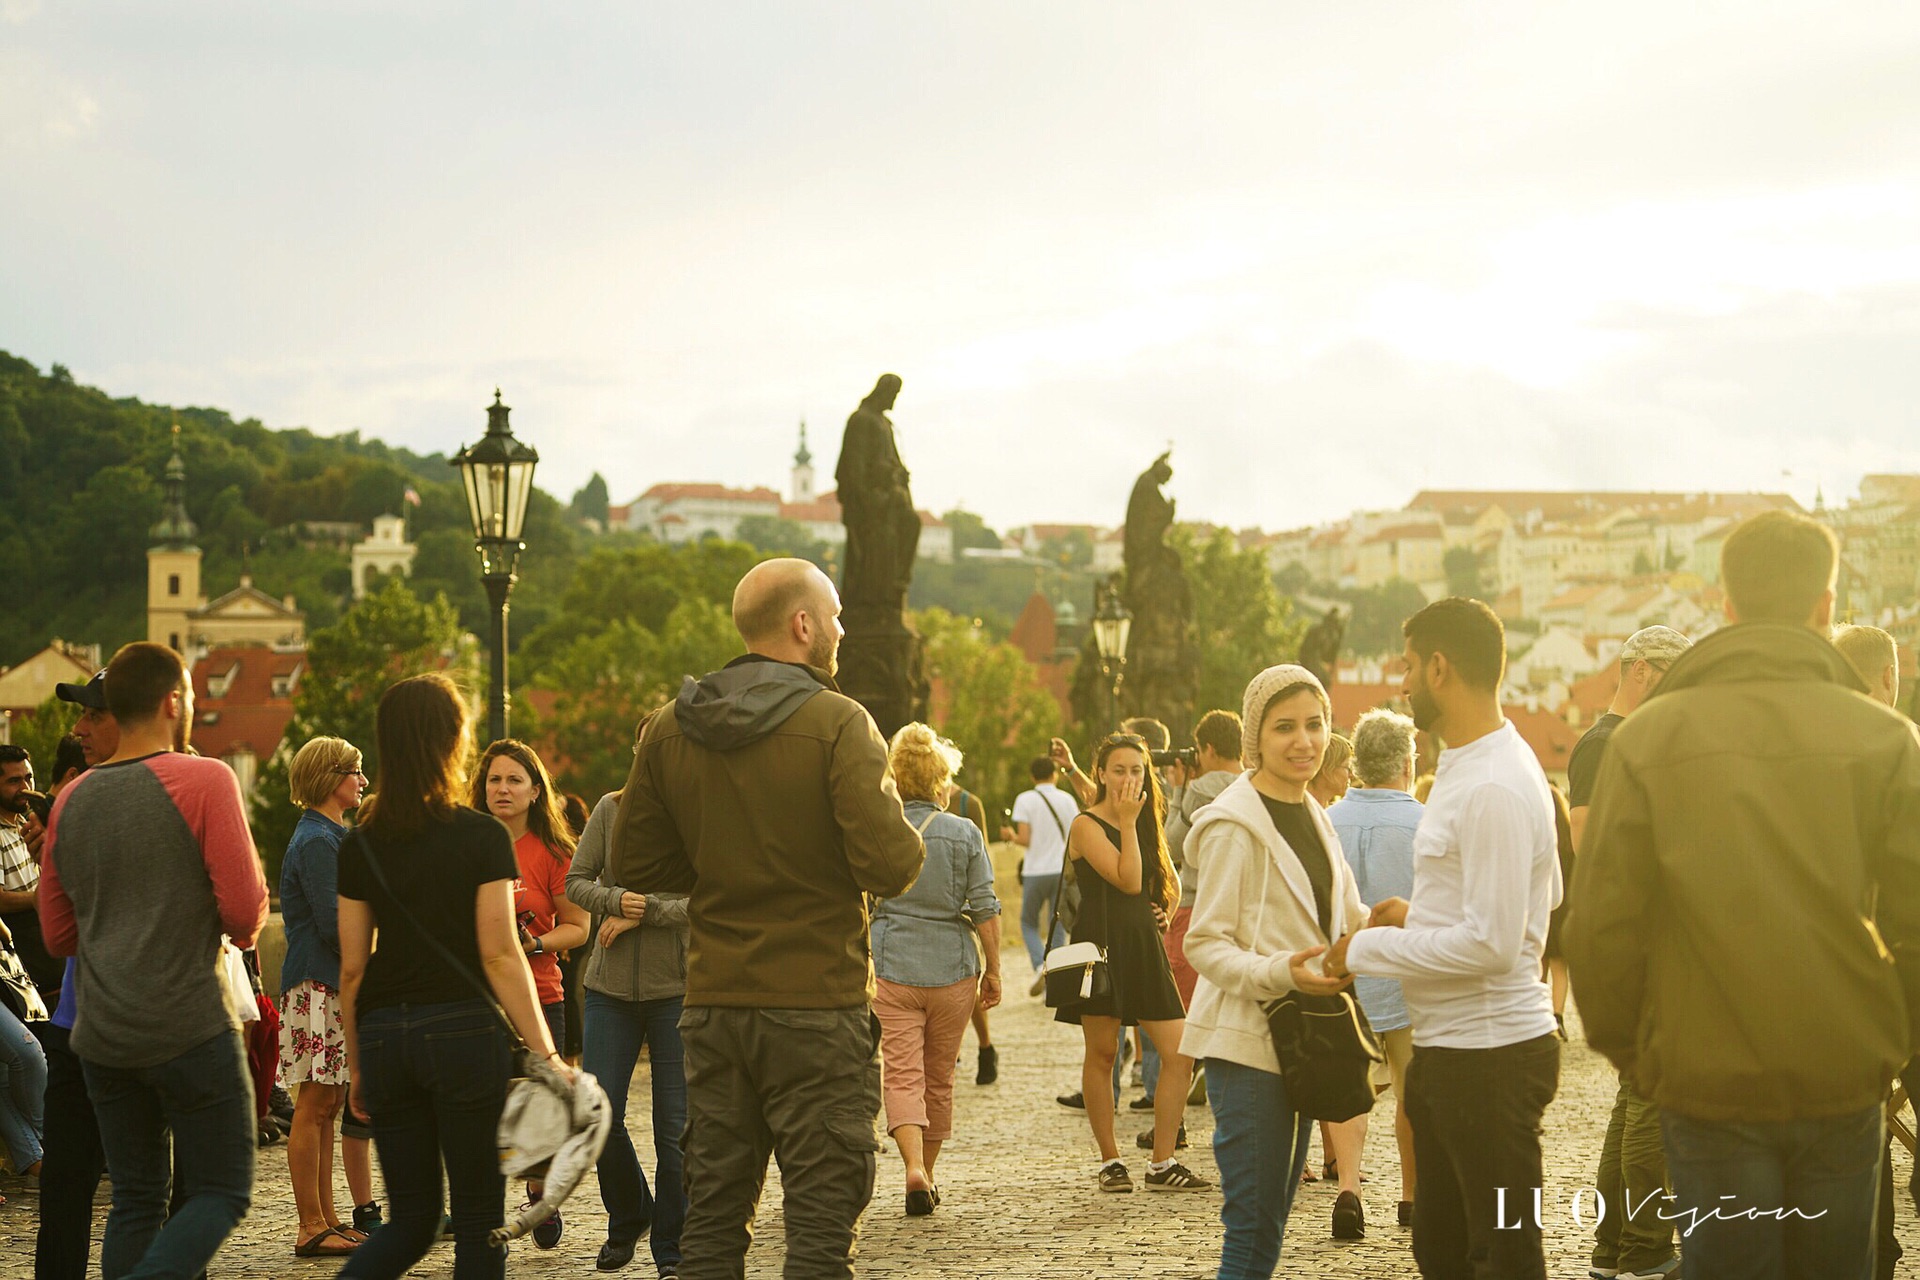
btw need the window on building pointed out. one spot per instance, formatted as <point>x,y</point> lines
<point>173,641</point>
<point>173,587</point>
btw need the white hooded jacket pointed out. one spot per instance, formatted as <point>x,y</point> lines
<point>1253,909</point>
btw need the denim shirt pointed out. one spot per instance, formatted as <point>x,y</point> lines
<point>310,902</point>
<point>924,937</point>
<point>1376,833</point>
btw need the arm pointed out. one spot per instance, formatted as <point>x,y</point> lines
<point>319,874</point>
<point>356,944</point>
<point>665,911</point>
<point>1023,834</point>
<point>1229,889</point>
<point>1496,863</point>
<point>571,924</point>
<point>18,900</point>
<point>226,847</point>
<point>883,850</point>
<point>1118,867</point>
<point>1577,821</point>
<point>990,989</point>
<point>506,969</point>
<point>58,929</point>
<point>1606,936</point>
<point>590,859</point>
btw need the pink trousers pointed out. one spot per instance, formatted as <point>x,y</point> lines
<point>920,1031</point>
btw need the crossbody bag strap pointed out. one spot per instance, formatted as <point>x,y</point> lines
<point>440,949</point>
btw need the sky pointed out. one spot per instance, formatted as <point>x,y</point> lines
<point>1333,253</point>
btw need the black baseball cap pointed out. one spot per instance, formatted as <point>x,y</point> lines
<point>92,694</point>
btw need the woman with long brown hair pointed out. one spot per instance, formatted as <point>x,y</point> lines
<point>1128,891</point>
<point>427,1057</point>
<point>512,784</point>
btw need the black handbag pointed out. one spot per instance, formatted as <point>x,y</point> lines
<point>1327,1051</point>
<point>17,991</point>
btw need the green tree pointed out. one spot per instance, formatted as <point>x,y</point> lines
<point>776,535</point>
<point>969,530</point>
<point>390,635</point>
<point>1373,629</point>
<point>994,707</point>
<point>591,501</point>
<point>1241,622</point>
<point>641,584</point>
<point>1462,567</point>
<point>1071,550</point>
<point>40,731</point>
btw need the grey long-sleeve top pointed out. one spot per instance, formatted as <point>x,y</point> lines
<point>645,963</point>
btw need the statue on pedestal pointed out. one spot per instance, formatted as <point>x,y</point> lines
<point>1163,659</point>
<point>1320,647</point>
<point>880,661</point>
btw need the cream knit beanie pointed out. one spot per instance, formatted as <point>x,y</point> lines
<point>1254,706</point>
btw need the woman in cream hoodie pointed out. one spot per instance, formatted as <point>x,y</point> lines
<point>1273,891</point>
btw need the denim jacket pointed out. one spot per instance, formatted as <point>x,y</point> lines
<point>924,937</point>
<point>310,903</point>
<point>648,962</point>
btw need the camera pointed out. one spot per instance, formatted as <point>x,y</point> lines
<point>1188,756</point>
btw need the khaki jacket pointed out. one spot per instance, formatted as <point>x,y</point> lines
<point>763,794</point>
<point>1750,876</point>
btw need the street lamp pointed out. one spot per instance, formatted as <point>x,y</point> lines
<point>1111,625</point>
<point>498,473</point>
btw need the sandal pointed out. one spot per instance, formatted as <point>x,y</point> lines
<point>318,1246</point>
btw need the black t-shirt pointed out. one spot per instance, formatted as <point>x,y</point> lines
<point>1296,827</point>
<point>436,874</point>
<point>1583,766</point>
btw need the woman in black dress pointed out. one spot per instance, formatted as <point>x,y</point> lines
<point>1128,892</point>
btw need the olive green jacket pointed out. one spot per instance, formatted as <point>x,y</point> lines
<point>1744,939</point>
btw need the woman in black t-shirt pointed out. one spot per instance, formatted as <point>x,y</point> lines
<point>429,1059</point>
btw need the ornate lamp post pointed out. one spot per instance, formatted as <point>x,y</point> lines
<point>498,473</point>
<point>1111,625</point>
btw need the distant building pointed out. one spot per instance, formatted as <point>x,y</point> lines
<point>29,683</point>
<point>243,703</point>
<point>385,550</point>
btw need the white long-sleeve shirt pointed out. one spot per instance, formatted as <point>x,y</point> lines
<point>1486,877</point>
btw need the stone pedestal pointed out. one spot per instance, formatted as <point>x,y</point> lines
<point>881,666</point>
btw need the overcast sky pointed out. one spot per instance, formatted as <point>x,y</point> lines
<point>1334,252</point>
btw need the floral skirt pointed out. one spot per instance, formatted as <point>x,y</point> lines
<point>313,1046</point>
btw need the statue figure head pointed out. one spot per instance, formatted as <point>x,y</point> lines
<point>884,393</point>
<point>1162,469</point>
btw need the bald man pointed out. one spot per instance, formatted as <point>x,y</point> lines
<point>765,798</point>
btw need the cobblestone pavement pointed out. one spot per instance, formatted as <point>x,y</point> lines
<point>1018,1193</point>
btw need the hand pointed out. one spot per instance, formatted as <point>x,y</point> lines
<point>1391,912</point>
<point>989,990</point>
<point>1006,833</point>
<point>633,906</point>
<point>613,926</point>
<point>1306,981</point>
<point>1335,965</point>
<point>561,1068</point>
<point>1061,754</point>
<point>354,1104</point>
<point>35,835</point>
<point>1128,799</point>
<point>526,941</point>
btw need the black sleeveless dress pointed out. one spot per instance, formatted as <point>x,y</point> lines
<point>1142,981</point>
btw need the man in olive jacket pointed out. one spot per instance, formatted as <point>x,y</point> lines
<point>1745,935</point>
<point>765,797</point>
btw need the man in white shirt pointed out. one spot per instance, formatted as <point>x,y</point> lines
<point>1040,821</point>
<point>1467,951</point>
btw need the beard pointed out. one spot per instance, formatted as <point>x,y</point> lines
<point>1426,712</point>
<point>825,650</point>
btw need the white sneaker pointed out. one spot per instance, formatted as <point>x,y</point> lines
<point>1660,1272</point>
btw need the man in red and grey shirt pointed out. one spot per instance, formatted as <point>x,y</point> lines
<point>147,861</point>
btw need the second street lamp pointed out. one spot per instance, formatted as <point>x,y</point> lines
<point>498,475</point>
<point>1111,625</point>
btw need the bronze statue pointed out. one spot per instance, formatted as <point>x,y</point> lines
<point>880,662</point>
<point>1163,658</point>
<point>1320,647</point>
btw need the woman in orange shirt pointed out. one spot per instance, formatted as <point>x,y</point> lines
<point>512,785</point>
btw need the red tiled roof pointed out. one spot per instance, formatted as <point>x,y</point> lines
<point>1594,694</point>
<point>1351,701</point>
<point>819,511</point>
<point>1036,632</point>
<point>1551,737</point>
<point>1402,532</point>
<point>674,492</point>
<point>248,714</point>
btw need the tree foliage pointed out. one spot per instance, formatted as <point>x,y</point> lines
<point>1462,567</point>
<point>40,731</point>
<point>990,702</point>
<point>591,501</point>
<point>779,536</point>
<point>969,530</point>
<point>1241,622</point>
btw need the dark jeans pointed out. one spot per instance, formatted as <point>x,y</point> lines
<point>71,1170</point>
<point>555,1016</point>
<point>1260,1145</point>
<point>1476,1129</point>
<point>1632,1235</point>
<point>434,1077</point>
<point>204,1098</point>
<point>1809,1186</point>
<point>802,1084</point>
<point>615,1031</point>
<point>1039,898</point>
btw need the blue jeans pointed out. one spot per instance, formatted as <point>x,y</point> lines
<point>23,1090</point>
<point>1038,894</point>
<point>1813,1180</point>
<point>616,1029</point>
<point>434,1078</point>
<point>1260,1146</point>
<point>204,1098</point>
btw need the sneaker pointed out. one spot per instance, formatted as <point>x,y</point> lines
<point>367,1216</point>
<point>1176,1177</point>
<point>1145,1140</point>
<point>614,1254</point>
<point>1349,1218</point>
<point>1603,1273</point>
<point>1039,986</point>
<point>989,1069</point>
<point>547,1234</point>
<point>1660,1272</point>
<point>1076,1100</point>
<point>1141,1104</point>
<point>1114,1176</point>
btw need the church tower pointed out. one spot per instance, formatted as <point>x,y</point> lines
<point>173,563</point>
<point>803,471</point>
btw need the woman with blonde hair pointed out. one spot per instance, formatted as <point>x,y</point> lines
<point>927,970</point>
<point>325,781</point>
<point>512,784</point>
<point>1335,777</point>
<point>1128,891</point>
<point>428,1058</point>
<point>1274,892</point>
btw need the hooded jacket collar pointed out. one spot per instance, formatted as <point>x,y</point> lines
<point>745,700</point>
<point>1760,651</point>
<point>1241,804</point>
